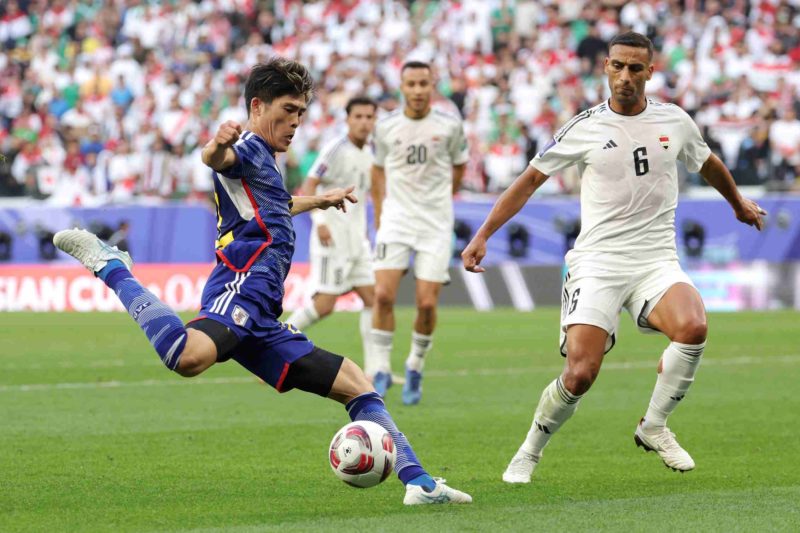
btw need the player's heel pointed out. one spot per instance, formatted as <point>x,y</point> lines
<point>641,444</point>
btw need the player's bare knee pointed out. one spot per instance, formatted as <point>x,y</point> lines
<point>692,331</point>
<point>579,378</point>
<point>189,364</point>
<point>198,354</point>
<point>384,298</point>
<point>324,308</point>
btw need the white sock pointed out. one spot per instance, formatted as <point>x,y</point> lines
<point>304,317</point>
<point>364,326</point>
<point>381,351</point>
<point>678,367</point>
<point>555,407</point>
<point>420,346</point>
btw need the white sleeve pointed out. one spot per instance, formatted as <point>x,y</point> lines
<point>321,169</point>
<point>694,152</point>
<point>379,148</point>
<point>567,147</point>
<point>459,148</point>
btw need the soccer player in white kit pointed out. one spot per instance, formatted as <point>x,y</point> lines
<point>625,256</point>
<point>420,156</point>
<point>341,259</point>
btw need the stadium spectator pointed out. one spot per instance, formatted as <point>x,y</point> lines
<point>119,65</point>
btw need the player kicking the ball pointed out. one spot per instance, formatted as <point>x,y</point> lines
<point>242,299</point>
<point>341,259</point>
<point>625,256</point>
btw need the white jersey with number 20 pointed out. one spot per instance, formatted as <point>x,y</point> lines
<point>629,188</point>
<point>418,158</point>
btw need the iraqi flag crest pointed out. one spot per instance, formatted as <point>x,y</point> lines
<point>664,140</point>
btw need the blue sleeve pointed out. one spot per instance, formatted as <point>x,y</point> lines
<point>247,157</point>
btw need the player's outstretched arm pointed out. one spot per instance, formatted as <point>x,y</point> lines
<point>718,176</point>
<point>378,191</point>
<point>217,153</point>
<point>338,198</point>
<point>508,205</point>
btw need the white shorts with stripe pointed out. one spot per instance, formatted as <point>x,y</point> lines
<point>596,296</point>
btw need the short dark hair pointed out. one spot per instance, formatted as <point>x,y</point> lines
<point>636,40</point>
<point>360,100</point>
<point>414,64</point>
<point>275,78</point>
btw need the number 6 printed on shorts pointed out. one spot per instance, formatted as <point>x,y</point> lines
<point>574,300</point>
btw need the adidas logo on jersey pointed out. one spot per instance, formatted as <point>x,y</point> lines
<point>610,144</point>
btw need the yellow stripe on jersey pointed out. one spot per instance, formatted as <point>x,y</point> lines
<point>224,241</point>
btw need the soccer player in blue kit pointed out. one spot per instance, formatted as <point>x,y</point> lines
<point>242,299</point>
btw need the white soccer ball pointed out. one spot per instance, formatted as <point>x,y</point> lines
<point>362,454</point>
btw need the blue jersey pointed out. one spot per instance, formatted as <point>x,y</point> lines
<point>254,217</point>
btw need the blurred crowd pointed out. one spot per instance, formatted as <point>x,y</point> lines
<point>111,101</point>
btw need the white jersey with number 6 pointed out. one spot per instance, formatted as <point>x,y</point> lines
<point>418,158</point>
<point>629,188</point>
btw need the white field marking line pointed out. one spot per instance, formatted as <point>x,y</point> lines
<point>508,371</point>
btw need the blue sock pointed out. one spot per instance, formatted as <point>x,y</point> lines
<point>162,326</point>
<point>112,265</point>
<point>369,406</point>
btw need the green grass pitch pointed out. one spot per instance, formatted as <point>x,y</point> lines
<point>95,435</point>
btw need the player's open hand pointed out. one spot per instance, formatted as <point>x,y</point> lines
<point>338,198</point>
<point>228,133</point>
<point>751,214</point>
<point>473,254</point>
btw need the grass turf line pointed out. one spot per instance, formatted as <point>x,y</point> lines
<point>233,455</point>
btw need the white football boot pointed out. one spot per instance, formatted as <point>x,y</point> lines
<point>521,467</point>
<point>416,495</point>
<point>87,248</point>
<point>662,441</point>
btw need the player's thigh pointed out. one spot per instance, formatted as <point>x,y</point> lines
<point>665,300</point>
<point>585,347</point>
<point>350,382</point>
<point>680,315</point>
<point>366,293</point>
<point>270,352</point>
<point>591,300</point>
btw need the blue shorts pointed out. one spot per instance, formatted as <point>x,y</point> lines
<point>242,302</point>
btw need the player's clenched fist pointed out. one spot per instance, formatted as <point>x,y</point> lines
<point>473,254</point>
<point>228,133</point>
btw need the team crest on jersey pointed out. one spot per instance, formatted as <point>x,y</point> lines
<point>664,140</point>
<point>239,316</point>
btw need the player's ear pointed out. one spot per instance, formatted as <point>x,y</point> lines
<point>650,71</point>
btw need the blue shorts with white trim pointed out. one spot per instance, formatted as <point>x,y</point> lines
<point>241,301</point>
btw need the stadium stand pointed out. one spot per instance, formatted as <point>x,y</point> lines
<point>109,102</point>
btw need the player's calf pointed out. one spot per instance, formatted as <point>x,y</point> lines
<point>164,328</point>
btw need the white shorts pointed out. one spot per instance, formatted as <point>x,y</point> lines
<point>597,297</point>
<point>336,273</point>
<point>432,255</point>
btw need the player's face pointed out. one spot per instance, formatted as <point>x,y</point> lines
<point>360,122</point>
<point>277,121</point>
<point>628,69</point>
<point>417,88</point>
